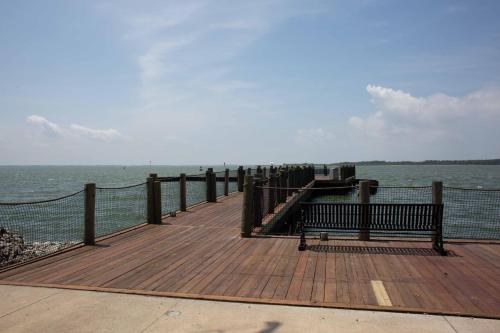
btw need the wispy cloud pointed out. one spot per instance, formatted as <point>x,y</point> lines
<point>50,129</point>
<point>98,134</point>
<point>186,49</point>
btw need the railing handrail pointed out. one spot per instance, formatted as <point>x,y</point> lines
<point>39,201</point>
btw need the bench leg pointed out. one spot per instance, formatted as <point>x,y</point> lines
<point>437,244</point>
<point>303,244</point>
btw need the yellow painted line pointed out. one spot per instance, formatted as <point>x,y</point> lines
<point>380,293</point>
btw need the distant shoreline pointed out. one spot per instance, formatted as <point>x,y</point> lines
<point>427,162</point>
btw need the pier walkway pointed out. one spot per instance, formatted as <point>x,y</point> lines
<point>199,254</point>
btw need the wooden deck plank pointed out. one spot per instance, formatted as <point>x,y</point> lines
<point>200,254</point>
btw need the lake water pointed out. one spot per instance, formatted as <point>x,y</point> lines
<point>468,214</point>
<point>473,176</point>
<point>25,183</point>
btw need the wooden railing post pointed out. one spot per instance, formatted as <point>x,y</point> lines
<point>150,199</point>
<point>89,219</point>
<point>437,199</point>
<point>214,187</point>
<point>211,182</point>
<point>241,178</point>
<point>248,207</point>
<point>157,202</point>
<point>183,192</point>
<point>208,184</point>
<point>301,177</point>
<point>226,182</point>
<point>272,194</point>
<point>290,181</point>
<point>258,198</point>
<point>282,185</point>
<point>364,199</point>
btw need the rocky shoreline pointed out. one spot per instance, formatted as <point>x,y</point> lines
<point>13,248</point>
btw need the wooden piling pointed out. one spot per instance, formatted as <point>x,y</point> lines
<point>241,178</point>
<point>282,184</point>
<point>272,194</point>
<point>226,182</point>
<point>208,185</point>
<point>157,202</point>
<point>150,200</point>
<point>247,213</point>
<point>290,181</point>
<point>364,198</point>
<point>211,182</point>
<point>437,198</point>
<point>183,192</point>
<point>89,220</point>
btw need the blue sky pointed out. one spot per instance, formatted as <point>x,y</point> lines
<point>118,82</point>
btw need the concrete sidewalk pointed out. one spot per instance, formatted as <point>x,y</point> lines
<point>29,309</point>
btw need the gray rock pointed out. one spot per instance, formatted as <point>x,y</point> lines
<point>13,249</point>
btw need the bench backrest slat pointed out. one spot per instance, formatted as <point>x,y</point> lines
<point>391,217</point>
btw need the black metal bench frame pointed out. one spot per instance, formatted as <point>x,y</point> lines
<point>413,219</point>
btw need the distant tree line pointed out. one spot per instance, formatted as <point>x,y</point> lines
<point>429,162</point>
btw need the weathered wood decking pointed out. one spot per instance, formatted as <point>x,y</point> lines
<point>200,254</point>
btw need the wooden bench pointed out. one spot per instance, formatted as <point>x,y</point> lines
<point>385,219</point>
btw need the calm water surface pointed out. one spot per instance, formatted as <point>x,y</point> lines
<point>468,214</point>
<point>24,183</point>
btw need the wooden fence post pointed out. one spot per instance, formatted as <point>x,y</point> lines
<point>272,194</point>
<point>247,213</point>
<point>182,192</point>
<point>282,185</point>
<point>89,219</point>
<point>226,182</point>
<point>437,199</point>
<point>208,184</point>
<point>211,182</point>
<point>241,178</point>
<point>214,187</point>
<point>364,199</point>
<point>150,199</point>
<point>290,181</point>
<point>157,202</point>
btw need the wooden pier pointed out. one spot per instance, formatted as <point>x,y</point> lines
<point>200,254</point>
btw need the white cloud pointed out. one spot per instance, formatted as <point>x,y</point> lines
<point>51,129</point>
<point>400,113</point>
<point>47,127</point>
<point>313,135</point>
